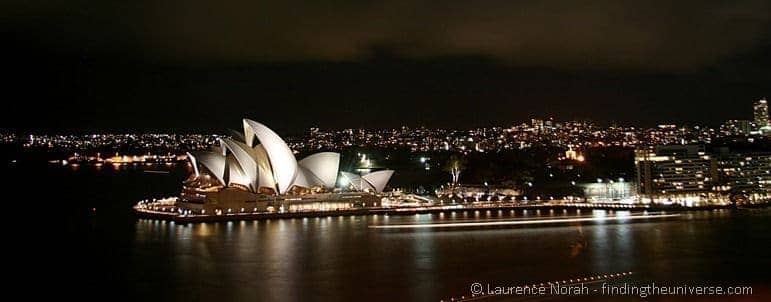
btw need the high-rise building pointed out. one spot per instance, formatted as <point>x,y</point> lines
<point>761,114</point>
<point>681,174</point>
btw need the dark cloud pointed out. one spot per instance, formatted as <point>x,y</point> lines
<point>658,35</point>
<point>200,65</point>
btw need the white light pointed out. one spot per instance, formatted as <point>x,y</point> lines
<point>518,222</point>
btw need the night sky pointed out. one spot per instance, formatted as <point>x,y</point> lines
<point>85,66</point>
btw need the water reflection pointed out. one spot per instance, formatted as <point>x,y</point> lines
<point>340,258</point>
<point>579,245</point>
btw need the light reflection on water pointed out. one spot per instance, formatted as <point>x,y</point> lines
<point>340,258</point>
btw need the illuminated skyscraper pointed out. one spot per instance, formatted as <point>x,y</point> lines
<point>761,113</point>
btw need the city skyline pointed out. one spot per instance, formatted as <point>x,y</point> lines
<point>750,118</point>
<point>539,132</point>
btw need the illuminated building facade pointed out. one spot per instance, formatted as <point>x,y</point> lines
<point>259,172</point>
<point>745,176</point>
<point>682,174</point>
<point>689,175</point>
<point>760,110</point>
<point>609,190</point>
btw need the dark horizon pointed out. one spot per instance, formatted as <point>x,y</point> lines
<point>111,67</point>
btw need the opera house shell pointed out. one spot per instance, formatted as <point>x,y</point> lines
<point>261,163</point>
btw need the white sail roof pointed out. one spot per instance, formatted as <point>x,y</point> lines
<point>194,162</point>
<point>246,161</point>
<point>324,166</point>
<point>214,162</point>
<point>265,178</point>
<point>269,163</point>
<point>378,179</point>
<point>282,160</point>
<point>235,173</point>
<point>306,179</point>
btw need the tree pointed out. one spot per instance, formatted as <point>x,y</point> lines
<point>454,166</point>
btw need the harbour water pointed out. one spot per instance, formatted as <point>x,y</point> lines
<point>86,241</point>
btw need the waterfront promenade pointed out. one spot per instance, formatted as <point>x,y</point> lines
<point>168,212</point>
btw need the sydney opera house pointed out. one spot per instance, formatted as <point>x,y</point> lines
<point>258,172</point>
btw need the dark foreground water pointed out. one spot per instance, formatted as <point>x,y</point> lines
<point>83,241</point>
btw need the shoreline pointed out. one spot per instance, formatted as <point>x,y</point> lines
<point>576,208</point>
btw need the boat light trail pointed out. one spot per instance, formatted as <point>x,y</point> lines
<point>521,222</point>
